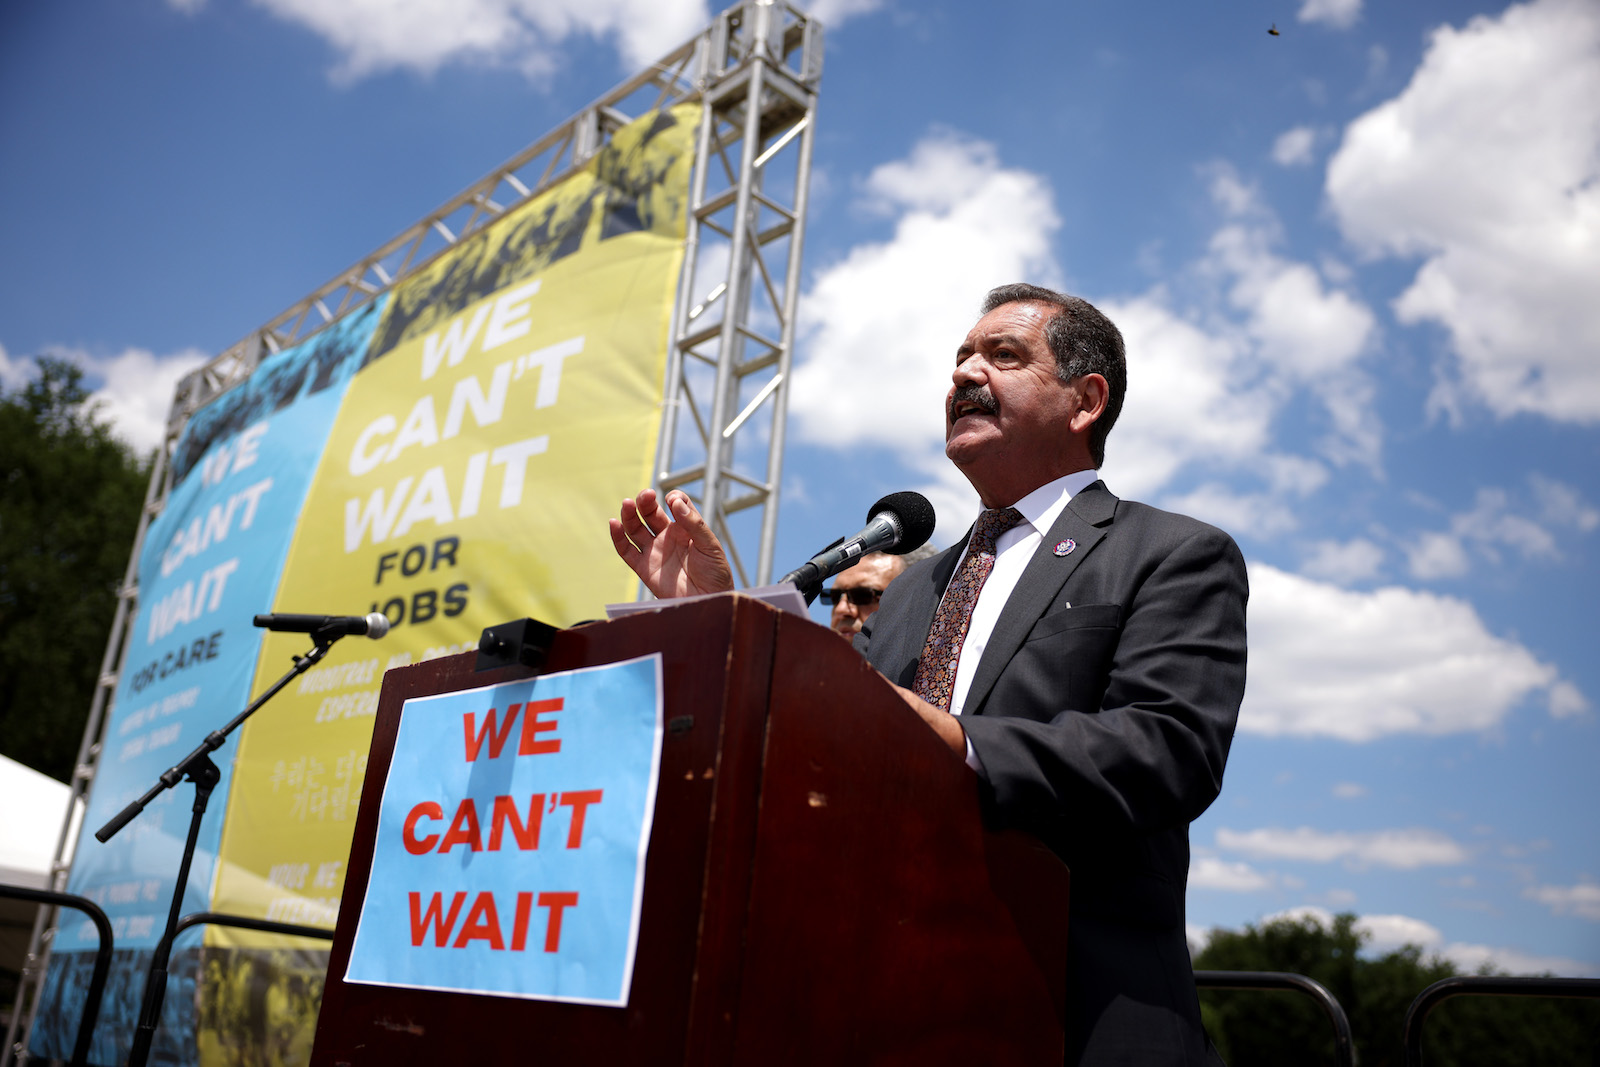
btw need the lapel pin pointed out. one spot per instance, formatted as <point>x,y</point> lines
<point>1065,547</point>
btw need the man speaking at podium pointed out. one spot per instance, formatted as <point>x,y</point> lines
<point>1084,654</point>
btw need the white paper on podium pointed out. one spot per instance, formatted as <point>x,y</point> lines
<point>783,596</point>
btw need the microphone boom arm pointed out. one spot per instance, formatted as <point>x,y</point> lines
<point>215,739</point>
<point>198,768</point>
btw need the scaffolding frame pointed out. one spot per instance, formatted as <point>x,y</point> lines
<point>756,69</point>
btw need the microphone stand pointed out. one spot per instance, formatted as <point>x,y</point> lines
<point>198,768</point>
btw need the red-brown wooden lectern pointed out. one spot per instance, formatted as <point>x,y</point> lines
<point>819,888</point>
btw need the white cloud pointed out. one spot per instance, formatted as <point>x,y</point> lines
<point>1260,515</point>
<point>14,373</point>
<point>1304,328</point>
<point>954,501</point>
<point>1385,933</point>
<point>1567,700</point>
<point>1437,555</point>
<point>1382,933</point>
<point>1233,194</point>
<point>1331,662</point>
<point>1377,67</point>
<point>1404,850</point>
<point>372,36</point>
<point>1486,166</point>
<point>1562,505</point>
<point>1321,916</point>
<point>1293,147</point>
<point>1389,932</point>
<point>1473,958</point>
<point>131,390</point>
<point>1582,899</point>
<point>892,312</point>
<point>1190,395</point>
<point>1349,790</point>
<point>1310,335</point>
<point>137,389</point>
<point>1294,474</point>
<point>1492,522</point>
<point>1340,14</point>
<point>832,12</point>
<point>1496,522</point>
<point>1209,872</point>
<point>1356,433</point>
<point>1200,390</point>
<point>1343,562</point>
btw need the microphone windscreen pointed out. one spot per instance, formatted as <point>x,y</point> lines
<point>916,519</point>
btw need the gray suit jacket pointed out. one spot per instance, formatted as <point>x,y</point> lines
<point>1102,711</point>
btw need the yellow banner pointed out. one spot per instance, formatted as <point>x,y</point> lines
<point>511,396</point>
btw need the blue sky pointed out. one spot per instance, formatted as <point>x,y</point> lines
<point>1355,264</point>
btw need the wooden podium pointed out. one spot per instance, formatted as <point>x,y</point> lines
<point>819,887</point>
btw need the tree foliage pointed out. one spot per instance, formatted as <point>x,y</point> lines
<point>70,495</point>
<point>1254,1028</point>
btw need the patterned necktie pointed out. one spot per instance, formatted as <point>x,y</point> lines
<point>936,671</point>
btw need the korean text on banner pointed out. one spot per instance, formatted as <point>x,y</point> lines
<point>510,851</point>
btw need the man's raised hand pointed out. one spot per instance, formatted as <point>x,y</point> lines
<point>672,558</point>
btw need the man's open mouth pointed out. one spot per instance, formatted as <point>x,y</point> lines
<point>971,400</point>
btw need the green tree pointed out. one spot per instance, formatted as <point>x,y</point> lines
<point>70,495</point>
<point>1252,1027</point>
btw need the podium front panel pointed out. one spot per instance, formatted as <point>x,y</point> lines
<point>707,668</point>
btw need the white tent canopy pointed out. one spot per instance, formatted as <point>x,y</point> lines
<point>34,805</point>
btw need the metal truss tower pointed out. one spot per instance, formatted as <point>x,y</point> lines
<point>733,327</point>
<point>756,69</point>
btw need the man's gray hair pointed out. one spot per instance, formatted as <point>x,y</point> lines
<point>1084,342</point>
<point>916,555</point>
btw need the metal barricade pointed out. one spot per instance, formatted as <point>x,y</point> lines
<point>1484,985</point>
<point>1344,1046</point>
<point>102,957</point>
<point>215,918</point>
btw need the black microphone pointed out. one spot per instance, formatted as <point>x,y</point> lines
<point>897,524</point>
<point>374,625</point>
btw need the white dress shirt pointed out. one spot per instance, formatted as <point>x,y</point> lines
<point>1013,550</point>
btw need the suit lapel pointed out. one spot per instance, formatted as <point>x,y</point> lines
<point>1083,520</point>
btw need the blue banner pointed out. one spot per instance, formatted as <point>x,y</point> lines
<point>511,841</point>
<point>211,560</point>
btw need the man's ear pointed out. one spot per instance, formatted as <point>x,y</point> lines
<point>1093,393</point>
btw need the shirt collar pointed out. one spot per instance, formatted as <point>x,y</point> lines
<point>1043,506</point>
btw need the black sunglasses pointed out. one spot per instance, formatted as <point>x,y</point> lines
<point>860,596</point>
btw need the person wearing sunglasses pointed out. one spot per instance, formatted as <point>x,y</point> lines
<point>856,591</point>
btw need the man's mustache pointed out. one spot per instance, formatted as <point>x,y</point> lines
<point>971,394</point>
